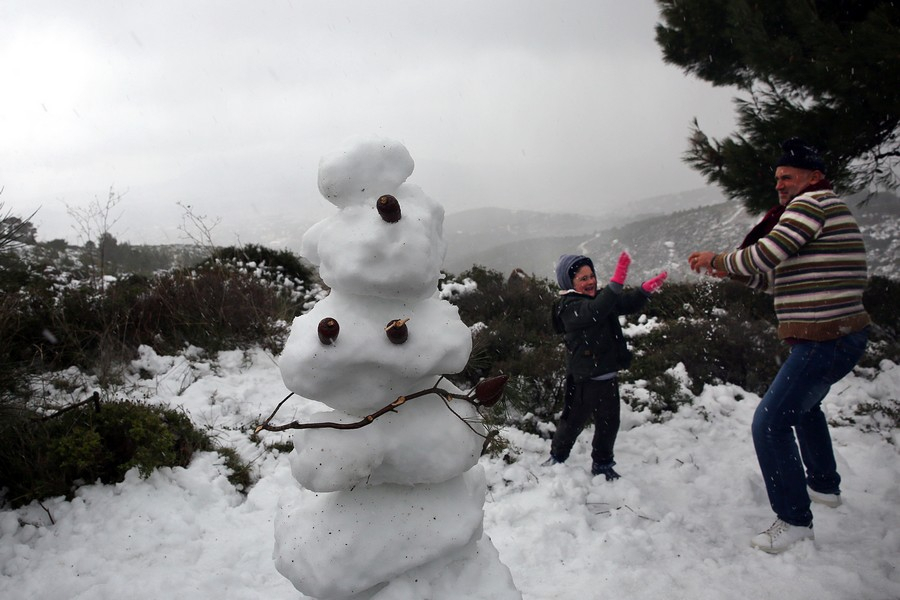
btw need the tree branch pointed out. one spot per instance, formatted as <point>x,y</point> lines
<point>475,396</point>
<point>94,399</point>
<point>362,422</point>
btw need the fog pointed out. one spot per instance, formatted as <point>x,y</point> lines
<point>227,107</point>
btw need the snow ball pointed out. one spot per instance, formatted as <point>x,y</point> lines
<point>363,169</point>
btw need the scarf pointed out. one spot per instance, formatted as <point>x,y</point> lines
<point>773,215</point>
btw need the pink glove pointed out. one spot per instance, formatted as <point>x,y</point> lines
<point>621,269</point>
<point>651,285</point>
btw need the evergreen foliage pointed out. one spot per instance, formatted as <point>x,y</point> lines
<point>57,317</point>
<point>826,71</point>
<point>512,336</point>
<point>880,300</point>
<point>54,318</point>
<point>51,455</point>
<point>718,330</point>
<point>284,261</point>
<point>122,257</point>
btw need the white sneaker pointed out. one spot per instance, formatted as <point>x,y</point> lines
<point>831,500</point>
<point>781,536</point>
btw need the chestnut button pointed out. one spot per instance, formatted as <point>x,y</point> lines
<point>388,208</point>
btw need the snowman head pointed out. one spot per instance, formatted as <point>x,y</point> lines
<point>363,169</point>
<point>367,248</point>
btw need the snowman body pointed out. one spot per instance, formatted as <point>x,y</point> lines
<point>392,510</point>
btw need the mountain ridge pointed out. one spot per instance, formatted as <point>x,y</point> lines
<point>658,242</point>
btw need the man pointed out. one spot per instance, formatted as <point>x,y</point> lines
<point>811,257</point>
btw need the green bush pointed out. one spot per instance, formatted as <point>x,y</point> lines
<point>51,322</point>
<point>713,350</point>
<point>709,298</point>
<point>283,261</point>
<point>664,395</point>
<point>14,273</point>
<point>516,339</point>
<point>720,330</point>
<point>241,474</point>
<point>880,300</point>
<point>14,364</point>
<point>46,456</point>
<point>48,321</point>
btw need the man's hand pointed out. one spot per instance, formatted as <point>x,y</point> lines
<point>702,261</point>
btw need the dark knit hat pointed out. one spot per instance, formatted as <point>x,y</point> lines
<point>801,155</point>
<point>567,266</point>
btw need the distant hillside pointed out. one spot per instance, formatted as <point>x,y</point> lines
<point>473,234</point>
<point>656,243</point>
<point>470,233</point>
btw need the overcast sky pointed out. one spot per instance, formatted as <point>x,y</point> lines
<point>227,106</point>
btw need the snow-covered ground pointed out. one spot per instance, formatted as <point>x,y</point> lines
<point>677,525</point>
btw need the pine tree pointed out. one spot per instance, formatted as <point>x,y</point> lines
<point>827,71</point>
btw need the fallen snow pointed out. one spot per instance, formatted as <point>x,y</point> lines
<point>677,525</point>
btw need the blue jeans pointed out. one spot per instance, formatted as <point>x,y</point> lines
<point>793,403</point>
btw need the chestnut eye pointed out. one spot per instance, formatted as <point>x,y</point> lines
<point>328,330</point>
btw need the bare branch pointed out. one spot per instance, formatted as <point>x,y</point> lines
<point>361,423</point>
<point>94,399</point>
<point>277,408</point>
<point>197,228</point>
<point>92,220</point>
<point>485,394</point>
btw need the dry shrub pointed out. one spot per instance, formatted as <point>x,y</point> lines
<point>214,308</point>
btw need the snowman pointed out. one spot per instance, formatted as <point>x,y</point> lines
<point>394,509</point>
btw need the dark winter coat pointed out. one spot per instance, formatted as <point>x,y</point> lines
<point>592,332</point>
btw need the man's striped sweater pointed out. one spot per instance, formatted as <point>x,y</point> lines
<point>814,263</point>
